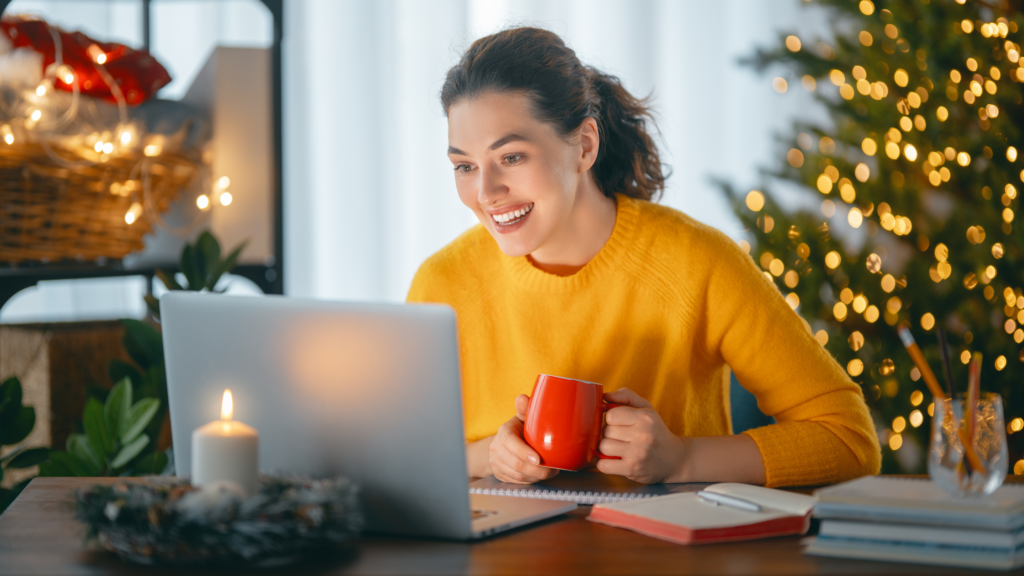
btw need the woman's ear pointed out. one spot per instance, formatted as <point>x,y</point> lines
<point>590,142</point>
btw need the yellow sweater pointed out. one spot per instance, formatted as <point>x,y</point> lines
<point>665,308</point>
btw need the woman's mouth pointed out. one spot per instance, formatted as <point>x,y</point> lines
<point>512,220</point>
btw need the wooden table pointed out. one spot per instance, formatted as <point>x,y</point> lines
<point>38,535</point>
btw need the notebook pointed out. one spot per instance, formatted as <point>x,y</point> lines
<point>920,501</point>
<point>581,488</point>
<point>688,519</point>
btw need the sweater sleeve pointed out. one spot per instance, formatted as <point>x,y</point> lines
<point>824,433</point>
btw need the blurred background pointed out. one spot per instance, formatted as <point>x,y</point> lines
<point>368,190</point>
<point>865,156</point>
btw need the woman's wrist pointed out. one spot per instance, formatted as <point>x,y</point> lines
<point>720,459</point>
<point>478,461</point>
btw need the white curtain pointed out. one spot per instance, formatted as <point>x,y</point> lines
<point>369,190</point>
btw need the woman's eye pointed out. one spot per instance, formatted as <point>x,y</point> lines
<point>463,168</point>
<point>513,158</point>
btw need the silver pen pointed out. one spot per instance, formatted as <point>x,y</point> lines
<point>730,501</point>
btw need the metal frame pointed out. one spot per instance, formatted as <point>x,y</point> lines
<point>269,278</point>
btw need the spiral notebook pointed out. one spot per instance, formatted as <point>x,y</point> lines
<point>581,488</point>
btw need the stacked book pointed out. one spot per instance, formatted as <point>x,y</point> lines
<point>912,520</point>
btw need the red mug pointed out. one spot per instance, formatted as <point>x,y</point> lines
<point>564,421</point>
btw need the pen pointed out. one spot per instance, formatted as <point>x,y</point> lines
<point>730,501</point>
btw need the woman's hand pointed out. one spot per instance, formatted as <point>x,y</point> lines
<point>650,452</point>
<point>510,458</point>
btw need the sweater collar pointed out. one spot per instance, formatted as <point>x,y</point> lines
<point>532,278</point>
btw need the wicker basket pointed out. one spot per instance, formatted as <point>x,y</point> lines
<point>51,211</point>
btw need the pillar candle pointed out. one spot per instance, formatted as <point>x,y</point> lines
<point>226,450</point>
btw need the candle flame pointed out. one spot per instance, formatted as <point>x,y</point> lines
<point>227,407</point>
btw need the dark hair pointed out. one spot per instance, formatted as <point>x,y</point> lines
<point>564,93</point>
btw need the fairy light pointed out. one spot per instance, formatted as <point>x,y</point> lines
<point>225,199</point>
<point>203,201</point>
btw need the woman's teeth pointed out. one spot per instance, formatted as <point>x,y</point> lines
<point>510,217</point>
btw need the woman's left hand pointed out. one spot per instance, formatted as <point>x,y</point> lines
<point>650,452</point>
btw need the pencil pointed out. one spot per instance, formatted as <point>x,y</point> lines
<point>915,354</point>
<point>973,390</point>
<point>929,378</point>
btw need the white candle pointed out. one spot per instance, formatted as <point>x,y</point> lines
<point>226,450</point>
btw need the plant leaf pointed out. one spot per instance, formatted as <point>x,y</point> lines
<point>119,370</point>
<point>64,464</point>
<point>138,417</point>
<point>7,496</point>
<point>151,464</point>
<point>10,398</point>
<point>143,343</point>
<point>80,447</point>
<point>225,266</point>
<point>153,305</point>
<point>95,425</point>
<point>15,429</point>
<point>29,458</point>
<point>208,250</point>
<point>119,401</point>
<point>130,451</point>
<point>168,279</point>
<point>187,264</point>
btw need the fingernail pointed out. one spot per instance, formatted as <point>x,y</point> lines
<point>533,459</point>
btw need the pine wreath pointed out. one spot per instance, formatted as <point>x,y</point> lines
<point>174,523</point>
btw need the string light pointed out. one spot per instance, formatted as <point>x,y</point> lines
<point>203,201</point>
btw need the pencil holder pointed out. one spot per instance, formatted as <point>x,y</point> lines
<point>968,456</point>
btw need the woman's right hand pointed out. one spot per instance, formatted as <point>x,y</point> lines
<point>511,459</point>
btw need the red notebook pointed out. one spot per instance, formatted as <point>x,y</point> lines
<point>688,519</point>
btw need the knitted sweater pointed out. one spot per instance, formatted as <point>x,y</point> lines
<point>665,308</point>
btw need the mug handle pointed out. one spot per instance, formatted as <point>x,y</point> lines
<point>608,406</point>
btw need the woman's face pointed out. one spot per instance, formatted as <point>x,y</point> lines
<point>517,174</point>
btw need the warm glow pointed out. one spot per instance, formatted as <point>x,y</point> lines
<point>101,59</point>
<point>916,397</point>
<point>225,198</point>
<point>223,182</point>
<point>927,321</point>
<point>895,441</point>
<point>152,150</point>
<point>41,90</point>
<point>1011,154</point>
<point>793,43</point>
<point>916,418</point>
<point>126,137</point>
<point>36,115</point>
<point>227,406</point>
<point>755,200</point>
<point>203,201</point>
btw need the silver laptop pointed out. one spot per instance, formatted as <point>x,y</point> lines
<point>366,391</point>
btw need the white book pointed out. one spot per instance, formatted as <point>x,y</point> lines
<point>918,501</point>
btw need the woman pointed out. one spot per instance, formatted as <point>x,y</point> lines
<point>574,271</point>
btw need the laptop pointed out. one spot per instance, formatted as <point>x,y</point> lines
<point>367,391</point>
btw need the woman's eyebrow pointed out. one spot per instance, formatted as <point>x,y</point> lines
<point>505,140</point>
<point>497,143</point>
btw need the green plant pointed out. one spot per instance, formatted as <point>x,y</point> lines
<point>202,266</point>
<point>16,423</point>
<point>114,439</point>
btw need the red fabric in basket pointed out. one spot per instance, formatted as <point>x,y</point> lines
<point>137,73</point>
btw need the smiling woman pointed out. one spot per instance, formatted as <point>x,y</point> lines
<point>575,271</point>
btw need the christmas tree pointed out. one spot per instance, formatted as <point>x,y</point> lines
<point>917,178</point>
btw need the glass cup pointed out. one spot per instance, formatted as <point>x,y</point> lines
<point>949,465</point>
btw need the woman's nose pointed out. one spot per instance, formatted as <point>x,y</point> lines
<point>492,186</point>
